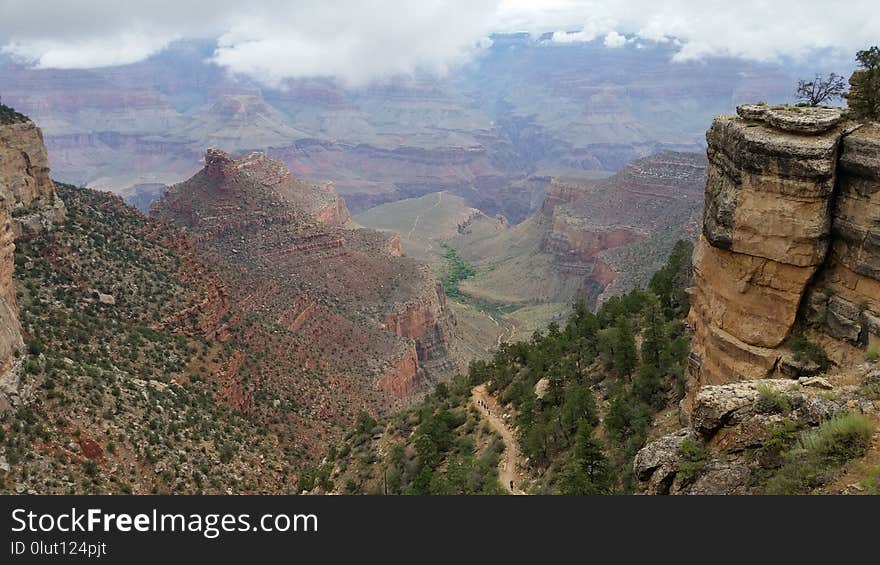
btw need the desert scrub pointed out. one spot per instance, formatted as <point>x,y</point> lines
<point>771,401</point>
<point>820,453</point>
<point>871,391</point>
<point>806,351</point>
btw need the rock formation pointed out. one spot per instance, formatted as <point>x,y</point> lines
<point>27,205</point>
<point>790,239</point>
<point>729,426</point>
<point>10,333</point>
<point>652,202</point>
<point>349,303</point>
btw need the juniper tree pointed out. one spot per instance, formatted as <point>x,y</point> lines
<point>821,89</point>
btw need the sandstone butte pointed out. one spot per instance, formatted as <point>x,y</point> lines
<point>28,205</point>
<point>790,242</point>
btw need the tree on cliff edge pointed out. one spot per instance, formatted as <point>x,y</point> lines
<point>864,96</point>
<point>821,89</point>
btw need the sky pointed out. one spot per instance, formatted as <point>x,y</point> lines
<point>360,42</point>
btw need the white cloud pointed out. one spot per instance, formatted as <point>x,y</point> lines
<point>360,41</point>
<point>593,28</point>
<point>352,40</point>
<point>753,29</point>
<point>614,39</point>
<point>88,52</point>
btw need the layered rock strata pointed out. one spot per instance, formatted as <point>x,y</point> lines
<point>352,306</point>
<point>791,238</point>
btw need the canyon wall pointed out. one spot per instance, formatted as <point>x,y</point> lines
<point>428,322</point>
<point>27,205</point>
<point>617,231</point>
<point>10,333</point>
<point>790,240</point>
<point>348,304</point>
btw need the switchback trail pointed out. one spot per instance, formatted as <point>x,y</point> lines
<point>419,216</point>
<point>507,465</point>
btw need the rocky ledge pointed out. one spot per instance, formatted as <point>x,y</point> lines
<point>797,119</point>
<point>731,428</point>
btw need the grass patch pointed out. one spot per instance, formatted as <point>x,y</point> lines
<point>872,354</point>
<point>871,391</point>
<point>819,454</point>
<point>771,401</point>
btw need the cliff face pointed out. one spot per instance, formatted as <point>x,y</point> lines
<point>349,306</point>
<point>27,205</point>
<point>790,239</point>
<point>428,322</point>
<point>24,166</point>
<point>10,333</point>
<point>844,301</point>
<point>595,226</point>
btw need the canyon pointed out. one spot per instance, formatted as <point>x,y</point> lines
<point>589,239</point>
<point>493,131</point>
<point>257,288</point>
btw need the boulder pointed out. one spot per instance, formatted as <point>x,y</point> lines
<point>656,464</point>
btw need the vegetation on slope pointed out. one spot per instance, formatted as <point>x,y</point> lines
<point>120,406</point>
<point>457,270</point>
<point>814,457</point>
<point>603,376</point>
<point>10,116</point>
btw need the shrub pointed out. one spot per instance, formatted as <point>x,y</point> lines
<point>871,391</point>
<point>35,347</point>
<point>771,401</point>
<point>781,437</point>
<point>820,454</point>
<point>91,468</point>
<point>872,354</point>
<point>806,350</point>
<point>693,459</point>
<point>840,439</point>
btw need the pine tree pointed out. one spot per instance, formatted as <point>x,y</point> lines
<point>587,470</point>
<point>655,337</point>
<point>624,347</point>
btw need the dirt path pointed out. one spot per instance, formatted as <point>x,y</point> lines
<point>419,216</point>
<point>507,466</point>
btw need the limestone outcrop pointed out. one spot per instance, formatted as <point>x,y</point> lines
<point>790,239</point>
